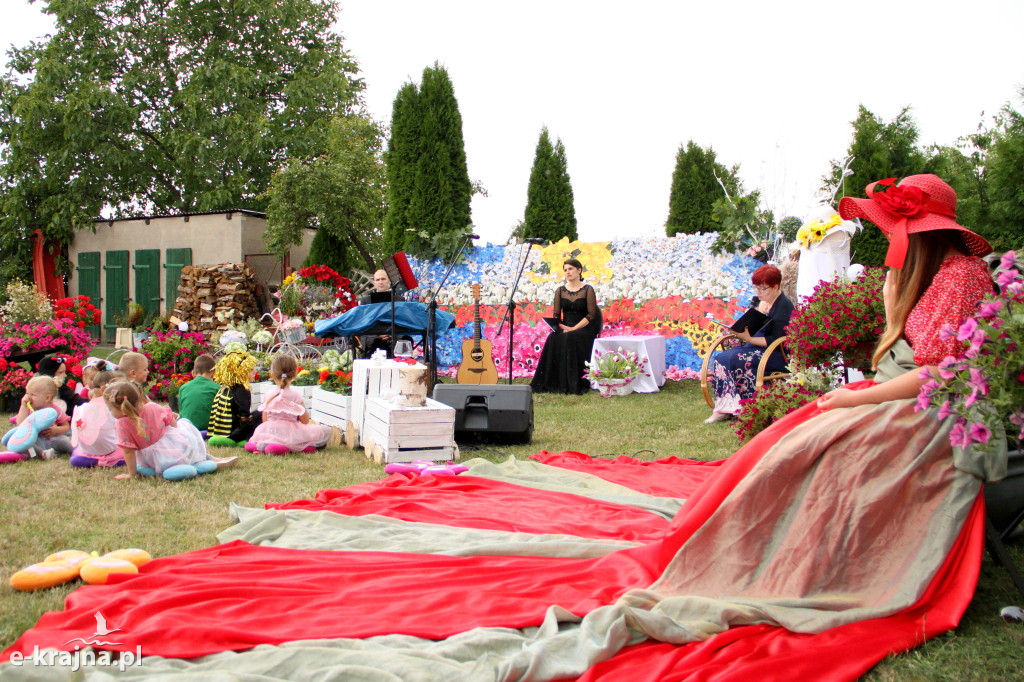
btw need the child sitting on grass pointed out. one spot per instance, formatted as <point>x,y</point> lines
<point>135,367</point>
<point>286,425</point>
<point>151,436</point>
<point>231,418</point>
<point>40,392</point>
<point>195,399</point>
<point>93,430</point>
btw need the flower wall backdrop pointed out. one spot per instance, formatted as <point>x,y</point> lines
<point>670,286</point>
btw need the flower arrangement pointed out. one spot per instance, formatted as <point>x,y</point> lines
<point>334,360</point>
<point>839,324</point>
<point>13,378</point>
<point>984,391</point>
<point>674,373</point>
<point>615,366</point>
<point>134,317</point>
<point>316,291</point>
<point>61,335</point>
<point>24,304</point>
<point>305,378</point>
<point>78,309</point>
<point>816,230</point>
<point>336,381</point>
<point>171,353</point>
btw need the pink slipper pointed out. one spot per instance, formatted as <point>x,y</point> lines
<point>11,457</point>
<point>276,449</point>
<point>250,447</point>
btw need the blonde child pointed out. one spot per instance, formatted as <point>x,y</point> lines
<point>89,373</point>
<point>286,425</point>
<point>150,436</point>
<point>93,431</point>
<point>135,367</point>
<point>40,392</point>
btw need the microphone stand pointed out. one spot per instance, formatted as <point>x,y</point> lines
<point>432,312</point>
<point>510,311</point>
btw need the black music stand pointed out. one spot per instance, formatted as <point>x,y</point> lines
<point>432,309</point>
<point>510,309</point>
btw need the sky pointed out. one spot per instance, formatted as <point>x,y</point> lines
<point>771,86</point>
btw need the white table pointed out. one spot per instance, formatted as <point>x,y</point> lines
<point>651,350</point>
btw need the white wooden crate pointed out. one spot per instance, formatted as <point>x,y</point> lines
<point>405,434</point>
<point>261,388</point>
<point>370,378</point>
<point>330,408</point>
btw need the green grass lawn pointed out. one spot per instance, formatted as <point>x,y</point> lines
<point>48,506</point>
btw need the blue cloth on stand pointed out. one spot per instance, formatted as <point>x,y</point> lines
<point>409,315</point>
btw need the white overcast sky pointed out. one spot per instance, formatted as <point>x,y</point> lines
<point>770,85</point>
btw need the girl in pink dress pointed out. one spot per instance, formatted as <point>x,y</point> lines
<point>286,425</point>
<point>94,428</point>
<point>152,436</point>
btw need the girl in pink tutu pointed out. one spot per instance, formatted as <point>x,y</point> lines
<point>286,425</point>
<point>93,429</point>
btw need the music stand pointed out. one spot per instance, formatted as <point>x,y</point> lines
<point>432,308</point>
<point>402,280</point>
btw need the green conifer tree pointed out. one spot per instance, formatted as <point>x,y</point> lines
<point>400,161</point>
<point>550,213</point>
<point>695,190</point>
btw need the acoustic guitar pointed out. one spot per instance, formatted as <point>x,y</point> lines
<point>477,364</point>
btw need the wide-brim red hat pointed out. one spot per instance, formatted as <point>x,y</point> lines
<point>917,203</point>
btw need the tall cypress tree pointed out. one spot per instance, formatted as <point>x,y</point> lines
<point>550,213</point>
<point>695,190</point>
<point>429,204</point>
<point>400,161</point>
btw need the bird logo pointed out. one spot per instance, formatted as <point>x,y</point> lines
<point>101,631</point>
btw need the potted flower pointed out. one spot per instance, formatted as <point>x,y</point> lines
<point>13,378</point>
<point>839,324</point>
<point>292,330</point>
<point>984,392</point>
<point>613,371</point>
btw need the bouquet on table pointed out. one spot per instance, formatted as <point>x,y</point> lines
<point>614,370</point>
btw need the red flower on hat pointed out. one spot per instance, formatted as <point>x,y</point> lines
<point>906,201</point>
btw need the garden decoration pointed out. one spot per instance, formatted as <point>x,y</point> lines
<point>315,292</point>
<point>984,392</point>
<point>66,565</point>
<point>613,371</point>
<point>824,248</point>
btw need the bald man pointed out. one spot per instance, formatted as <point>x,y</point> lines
<point>369,342</point>
<point>381,283</point>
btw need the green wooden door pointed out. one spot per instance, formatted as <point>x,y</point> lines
<point>147,281</point>
<point>89,283</point>
<point>176,260</point>
<point>116,286</point>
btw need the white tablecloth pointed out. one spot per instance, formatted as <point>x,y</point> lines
<point>650,348</point>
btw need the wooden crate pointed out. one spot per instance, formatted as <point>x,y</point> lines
<point>369,379</point>
<point>330,409</point>
<point>406,434</point>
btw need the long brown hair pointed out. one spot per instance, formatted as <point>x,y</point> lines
<point>925,253</point>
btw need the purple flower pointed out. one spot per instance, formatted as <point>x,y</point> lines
<point>1018,419</point>
<point>947,368</point>
<point>924,396</point>
<point>977,381</point>
<point>1005,279</point>
<point>978,433</point>
<point>967,329</point>
<point>946,332</point>
<point>1009,260</point>
<point>972,398</point>
<point>944,410</point>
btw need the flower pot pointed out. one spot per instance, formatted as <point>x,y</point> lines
<point>10,404</point>
<point>613,387</point>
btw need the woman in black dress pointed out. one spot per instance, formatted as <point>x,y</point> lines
<point>561,365</point>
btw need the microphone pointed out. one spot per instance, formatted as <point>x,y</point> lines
<point>535,240</point>
<point>471,235</point>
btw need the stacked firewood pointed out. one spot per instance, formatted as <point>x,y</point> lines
<point>212,296</point>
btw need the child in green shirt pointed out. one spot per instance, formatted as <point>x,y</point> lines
<point>196,397</point>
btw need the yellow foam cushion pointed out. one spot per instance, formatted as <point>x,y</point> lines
<point>139,557</point>
<point>76,556</point>
<point>96,571</point>
<point>45,574</point>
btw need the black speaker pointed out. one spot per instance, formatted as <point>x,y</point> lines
<point>497,413</point>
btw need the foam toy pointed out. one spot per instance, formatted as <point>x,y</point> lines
<point>100,363</point>
<point>139,557</point>
<point>145,471</point>
<point>180,472</point>
<point>97,571</point>
<point>11,457</point>
<point>45,574</point>
<point>22,437</point>
<point>425,468</point>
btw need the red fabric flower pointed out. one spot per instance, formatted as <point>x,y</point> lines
<point>906,201</point>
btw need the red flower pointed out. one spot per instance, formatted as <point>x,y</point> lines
<point>905,201</point>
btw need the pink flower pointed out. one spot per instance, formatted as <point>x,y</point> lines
<point>967,329</point>
<point>977,381</point>
<point>1005,279</point>
<point>1008,261</point>
<point>989,309</point>
<point>972,398</point>
<point>924,396</point>
<point>944,410</point>
<point>947,367</point>
<point>958,436</point>
<point>978,433</point>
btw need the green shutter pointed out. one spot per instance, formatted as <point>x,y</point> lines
<point>116,286</point>
<point>147,280</point>
<point>89,283</point>
<point>176,260</point>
